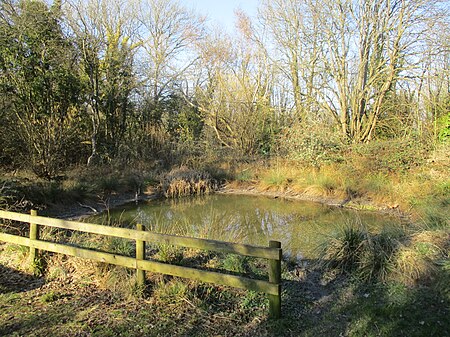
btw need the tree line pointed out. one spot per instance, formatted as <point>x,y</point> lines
<point>94,81</point>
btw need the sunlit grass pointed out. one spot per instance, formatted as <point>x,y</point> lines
<point>276,178</point>
<point>400,256</point>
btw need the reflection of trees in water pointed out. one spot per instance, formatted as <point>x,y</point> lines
<point>300,226</point>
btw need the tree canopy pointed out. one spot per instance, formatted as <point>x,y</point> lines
<point>91,81</point>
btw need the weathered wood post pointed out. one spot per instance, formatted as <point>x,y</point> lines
<point>34,235</point>
<point>140,255</point>
<point>275,277</point>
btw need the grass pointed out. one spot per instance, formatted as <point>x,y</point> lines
<point>245,175</point>
<point>407,258</point>
<point>275,179</point>
<point>367,284</point>
<point>416,187</point>
<point>313,305</point>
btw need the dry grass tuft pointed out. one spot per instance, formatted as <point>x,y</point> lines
<point>184,182</point>
<point>16,257</point>
<point>411,267</point>
<point>433,244</point>
<point>174,291</point>
<point>387,256</point>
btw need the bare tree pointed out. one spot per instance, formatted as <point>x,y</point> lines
<point>370,46</point>
<point>289,32</point>
<point>168,33</point>
<point>235,90</point>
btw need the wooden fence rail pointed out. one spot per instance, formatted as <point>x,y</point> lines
<point>273,253</point>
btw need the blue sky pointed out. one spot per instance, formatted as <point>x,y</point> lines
<point>221,12</point>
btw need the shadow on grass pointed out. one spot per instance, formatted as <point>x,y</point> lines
<point>13,281</point>
<point>396,310</point>
<point>313,304</point>
<point>37,323</point>
<point>346,307</point>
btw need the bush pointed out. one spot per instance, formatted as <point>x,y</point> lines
<point>443,126</point>
<point>389,156</point>
<point>311,144</point>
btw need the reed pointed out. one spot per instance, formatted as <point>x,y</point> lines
<point>185,182</point>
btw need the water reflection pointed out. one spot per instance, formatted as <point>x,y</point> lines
<point>300,226</point>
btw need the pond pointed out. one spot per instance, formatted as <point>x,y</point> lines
<point>300,226</point>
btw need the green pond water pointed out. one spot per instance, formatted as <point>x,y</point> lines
<point>300,226</point>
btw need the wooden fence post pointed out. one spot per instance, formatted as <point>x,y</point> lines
<point>275,277</point>
<point>34,235</point>
<point>140,255</point>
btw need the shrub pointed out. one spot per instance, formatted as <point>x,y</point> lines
<point>311,144</point>
<point>389,156</point>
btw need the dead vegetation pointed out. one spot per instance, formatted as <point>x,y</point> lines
<point>186,182</point>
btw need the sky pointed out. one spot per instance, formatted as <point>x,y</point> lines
<point>221,12</point>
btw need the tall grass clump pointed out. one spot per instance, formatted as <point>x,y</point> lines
<point>274,179</point>
<point>376,263</point>
<point>391,255</point>
<point>423,257</point>
<point>343,251</point>
<point>356,251</point>
<point>184,182</point>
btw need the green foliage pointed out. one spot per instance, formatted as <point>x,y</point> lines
<point>37,62</point>
<point>39,265</point>
<point>388,156</point>
<point>443,128</point>
<point>183,122</point>
<point>49,297</point>
<point>120,246</point>
<point>235,263</point>
<point>311,144</point>
<point>169,253</point>
<point>253,300</point>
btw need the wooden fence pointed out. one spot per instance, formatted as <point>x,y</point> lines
<point>273,253</point>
